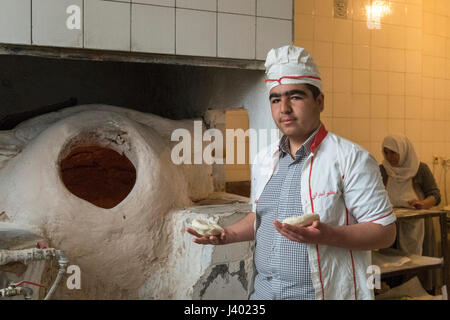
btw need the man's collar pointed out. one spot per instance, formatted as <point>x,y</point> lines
<point>285,148</point>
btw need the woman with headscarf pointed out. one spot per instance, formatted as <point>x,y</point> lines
<point>409,184</point>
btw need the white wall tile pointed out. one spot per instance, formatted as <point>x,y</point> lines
<point>50,19</point>
<point>428,66</point>
<point>396,83</point>
<point>380,37</point>
<point>427,109</point>
<point>15,21</point>
<point>413,61</point>
<point>236,36</point>
<point>413,85</point>
<point>379,59</point>
<point>107,25</point>
<point>413,107</point>
<point>152,29</point>
<point>343,127</point>
<point>304,27</point>
<point>304,6</point>
<point>397,15</point>
<point>361,81</point>
<point>413,129</point>
<point>327,78</point>
<point>196,33</point>
<point>428,88</point>
<point>375,150</point>
<point>342,31</point>
<point>396,126</point>
<point>440,110</point>
<point>361,34</point>
<point>361,106</point>
<point>271,33</point>
<point>378,130</point>
<point>360,130</point>
<point>167,3</point>
<point>413,39</point>
<point>440,89</point>
<point>328,109</point>
<point>440,67</point>
<point>378,106</point>
<point>342,55</point>
<point>359,10</point>
<point>396,36</point>
<point>342,80</point>
<point>323,54</point>
<point>342,105</point>
<point>237,6</point>
<point>428,130</point>
<point>440,48</point>
<point>361,57</point>
<point>323,29</point>
<point>396,60</point>
<point>282,9</point>
<point>396,109</point>
<point>328,123</point>
<point>210,5</point>
<point>413,16</point>
<point>324,8</point>
<point>379,82</point>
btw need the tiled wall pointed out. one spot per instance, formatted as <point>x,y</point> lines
<point>242,29</point>
<point>393,79</point>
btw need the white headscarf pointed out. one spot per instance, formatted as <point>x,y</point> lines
<point>408,165</point>
<point>291,65</point>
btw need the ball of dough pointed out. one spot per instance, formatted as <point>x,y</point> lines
<point>206,228</point>
<point>304,220</point>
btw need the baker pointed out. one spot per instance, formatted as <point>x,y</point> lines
<point>409,183</point>
<point>310,171</point>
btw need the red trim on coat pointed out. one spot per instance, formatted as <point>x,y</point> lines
<point>309,181</point>
<point>320,272</point>
<point>381,217</point>
<point>321,134</point>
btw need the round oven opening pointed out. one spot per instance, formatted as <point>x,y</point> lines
<point>99,175</point>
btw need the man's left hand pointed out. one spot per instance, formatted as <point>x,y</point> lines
<point>317,233</point>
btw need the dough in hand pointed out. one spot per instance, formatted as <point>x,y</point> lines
<point>304,220</point>
<point>206,228</point>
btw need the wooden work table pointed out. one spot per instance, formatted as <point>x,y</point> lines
<point>418,263</point>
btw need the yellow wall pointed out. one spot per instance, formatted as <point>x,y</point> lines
<point>393,79</point>
<point>237,119</point>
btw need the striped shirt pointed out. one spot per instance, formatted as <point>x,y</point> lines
<point>282,265</point>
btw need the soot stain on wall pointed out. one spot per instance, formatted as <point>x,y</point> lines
<point>171,91</point>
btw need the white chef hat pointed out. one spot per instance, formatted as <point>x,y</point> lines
<point>290,65</point>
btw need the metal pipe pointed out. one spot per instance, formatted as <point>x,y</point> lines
<point>26,255</point>
<point>62,262</point>
<point>8,256</point>
<point>15,289</point>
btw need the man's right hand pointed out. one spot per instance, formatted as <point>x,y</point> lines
<point>214,240</point>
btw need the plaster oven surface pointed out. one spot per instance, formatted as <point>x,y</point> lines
<point>119,247</point>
